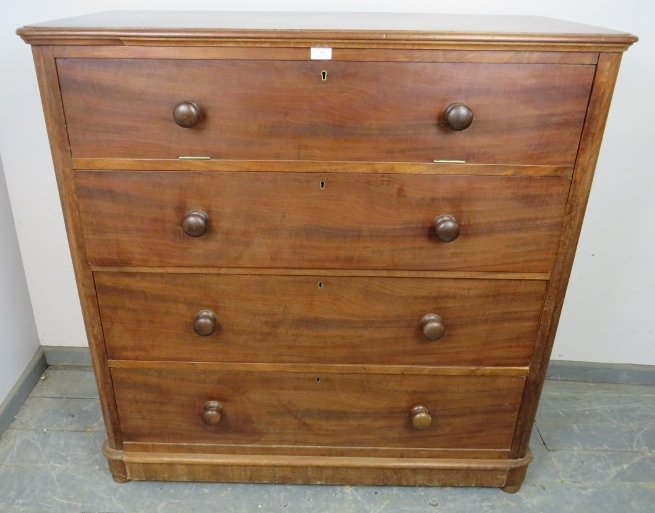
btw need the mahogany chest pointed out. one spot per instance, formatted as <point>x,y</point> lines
<point>322,248</point>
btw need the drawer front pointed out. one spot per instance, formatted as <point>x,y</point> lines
<point>369,111</point>
<point>305,220</point>
<point>346,410</point>
<point>314,319</point>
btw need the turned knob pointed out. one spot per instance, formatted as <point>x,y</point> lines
<point>421,418</point>
<point>458,116</point>
<point>212,413</point>
<point>195,223</point>
<point>446,228</point>
<point>187,114</point>
<point>205,323</point>
<point>432,326</point>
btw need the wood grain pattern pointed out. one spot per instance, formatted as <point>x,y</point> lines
<point>187,450</point>
<point>608,68</point>
<point>324,461</point>
<point>204,463</point>
<point>524,114</point>
<point>352,410</point>
<point>284,319</point>
<point>379,273</point>
<point>338,54</point>
<point>514,479</point>
<point>528,28</point>
<point>46,73</point>
<point>335,475</point>
<point>337,29</point>
<point>308,166</point>
<point>356,221</point>
<point>334,182</point>
<point>431,370</point>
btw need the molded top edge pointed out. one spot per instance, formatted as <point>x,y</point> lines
<point>176,25</point>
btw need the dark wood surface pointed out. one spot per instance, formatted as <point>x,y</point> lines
<point>199,450</point>
<point>289,53</point>
<point>370,273</point>
<point>287,319</point>
<point>370,29</point>
<point>272,464</point>
<point>349,410</point>
<point>316,384</point>
<point>427,370</point>
<point>356,221</point>
<point>337,471</point>
<point>444,167</point>
<point>523,114</point>
<point>306,21</point>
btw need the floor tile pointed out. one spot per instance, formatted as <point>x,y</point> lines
<point>542,467</point>
<point>72,383</point>
<point>585,437</point>
<point>109,497</point>
<point>605,467</point>
<point>597,410</point>
<point>36,490</point>
<point>582,498</point>
<point>61,414</point>
<point>53,449</point>
<point>547,497</point>
<point>578,388</point>
<point>597,416</point>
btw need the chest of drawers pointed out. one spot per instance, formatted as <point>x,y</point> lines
<point>321,248</point>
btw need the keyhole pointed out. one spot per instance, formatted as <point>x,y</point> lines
<point>323,75</point>
<point>321,184</point>
<point>318,380</point>
<point>320,284</point>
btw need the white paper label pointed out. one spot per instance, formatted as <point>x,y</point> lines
<point>321,54</point>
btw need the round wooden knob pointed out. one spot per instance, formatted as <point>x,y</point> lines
<point>212,413</point>
<point>187,114</point>
<point>446,228</point>
<point>205,323</point>
<point>458,116</point>
<point>195,223</point>
<point>432,326</point>
<point>421,418</point>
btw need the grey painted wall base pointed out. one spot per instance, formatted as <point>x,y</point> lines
<point>558,369</point>
<point>64,355</point>
<point>17,395</point>
<point>602,372</point>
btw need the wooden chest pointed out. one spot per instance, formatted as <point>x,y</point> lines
<point>321,248</point>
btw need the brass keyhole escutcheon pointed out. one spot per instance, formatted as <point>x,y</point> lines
<point>323,75</point>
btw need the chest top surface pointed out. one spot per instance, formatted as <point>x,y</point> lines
<point>137,27</point>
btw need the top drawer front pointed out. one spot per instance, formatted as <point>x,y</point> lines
<point>367,111</point>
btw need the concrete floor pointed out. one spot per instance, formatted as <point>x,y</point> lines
<point>594,450</point>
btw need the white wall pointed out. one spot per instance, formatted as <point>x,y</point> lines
<point>609,314</point>
<point>18,338</point>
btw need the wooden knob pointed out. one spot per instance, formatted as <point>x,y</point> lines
<point>212,413</point>
<point>432,326</point>
<point>195,223</point>
<point>458,116</point>
<point>446,228</point>
<point>421,418</point>
<point>187,114</point>
<point>205,323</point>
